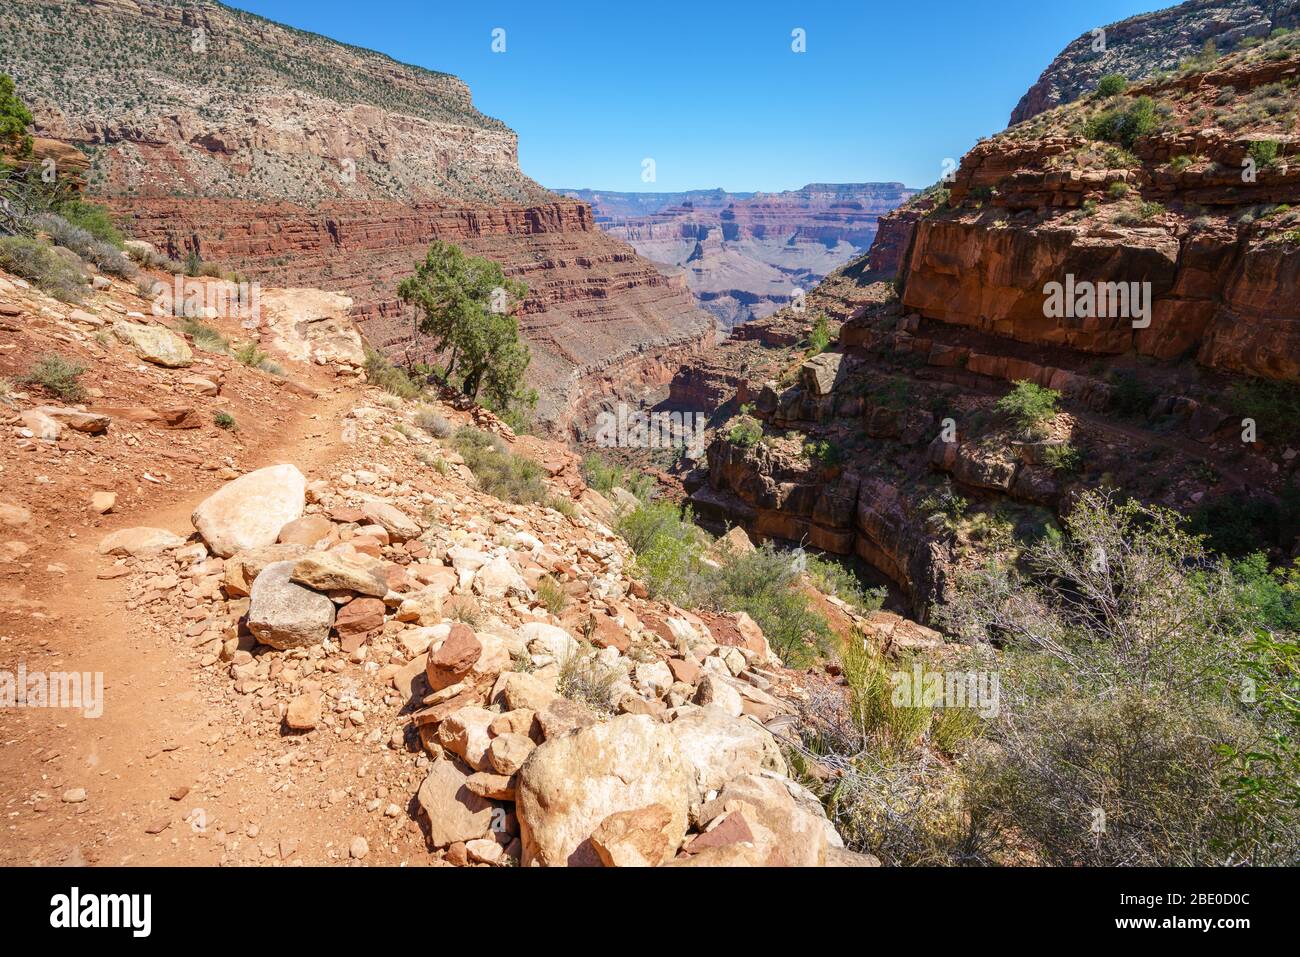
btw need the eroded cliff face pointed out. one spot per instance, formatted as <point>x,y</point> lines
<point>300,161</point>
<point>1186,210</point>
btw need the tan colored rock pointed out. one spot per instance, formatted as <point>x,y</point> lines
<point>644,837</point>
<point>41,425</point>
<point>14,515</point>
<point>715,691</point>
<point>306,530</point>
<point>720,747</point>
<point>508,751</point>
<point>425,606</point>
<point>250,511</point>
<point>453,812</point>
<point>485,851</point>
<point>788,832</point>
<point>465,733</point>
<point>520,689</point>
<point>396,523</point>
<point>92,423</point>
<point>571,784</point>
<point>139,542</point>
<point>101,503</point>
<point>242,568</point>
<point>304,712</point>
<point>494,787</point>
<point>341,569</point>
<point>155,344</point>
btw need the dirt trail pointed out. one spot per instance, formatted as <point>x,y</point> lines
<point>159,733</point>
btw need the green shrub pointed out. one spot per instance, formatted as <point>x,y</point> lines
<point>832,578</point>
<point>1274,405</point>
<point>588,680</point>
<point>251,355</point>
<point>1237,524</point>
<point>1111,84</point>
<point>58,376</point>
<point>499,471</point>
<point>1122,658</point>
<point>764,584</point>
<point>224,420</point>
<point>1062,457</point>
<point>1029,406</point>
<point>823,452</point>
<point>669,550</point>
<point>40,265</point>
<point>1264,152</point>
<point>1150,210</point>
<point>819,336</point>
<point>94,219</point>
<point>1117,190</point>
<point>745,431</point>
<point>209,339</point>
<point>1123,125</point>
<point>1130,397</point>
<point>382,373</point>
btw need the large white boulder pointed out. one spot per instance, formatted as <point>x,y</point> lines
<point>250,511</point>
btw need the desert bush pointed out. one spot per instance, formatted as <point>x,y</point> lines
<point>1117,190</point>
<point>552,595</point>
<point>58,376</point>
<point>434,424</point>
<point>1124,124</point>
<point>1264,152</point>
<point>745,431</point>
<point>1121,664</point>
<point>764,584</point>
<point>1111,84</point>
<point>94,219</point>
<point>40,265</point>
<point>669,549</point>
<point>382,373</point>
<point>1029,406</point>
<point>1062,457</point>
<point>209,339</point>
<point>251,355</point>
<point>499,471</point>
<point>823,452</point>
<point>1274,406</point>
<point>224,420</point>
<point>819,336</point>
<point>585,678</point>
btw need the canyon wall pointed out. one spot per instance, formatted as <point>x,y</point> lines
<point>297,160</point>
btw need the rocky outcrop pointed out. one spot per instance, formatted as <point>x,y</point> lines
<point>1140,46</point>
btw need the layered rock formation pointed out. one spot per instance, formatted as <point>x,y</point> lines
<point>1142,45</point>
<point>745,254</point>
<point>300,161</point>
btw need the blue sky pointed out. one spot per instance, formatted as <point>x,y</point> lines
<point>713,93</point>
